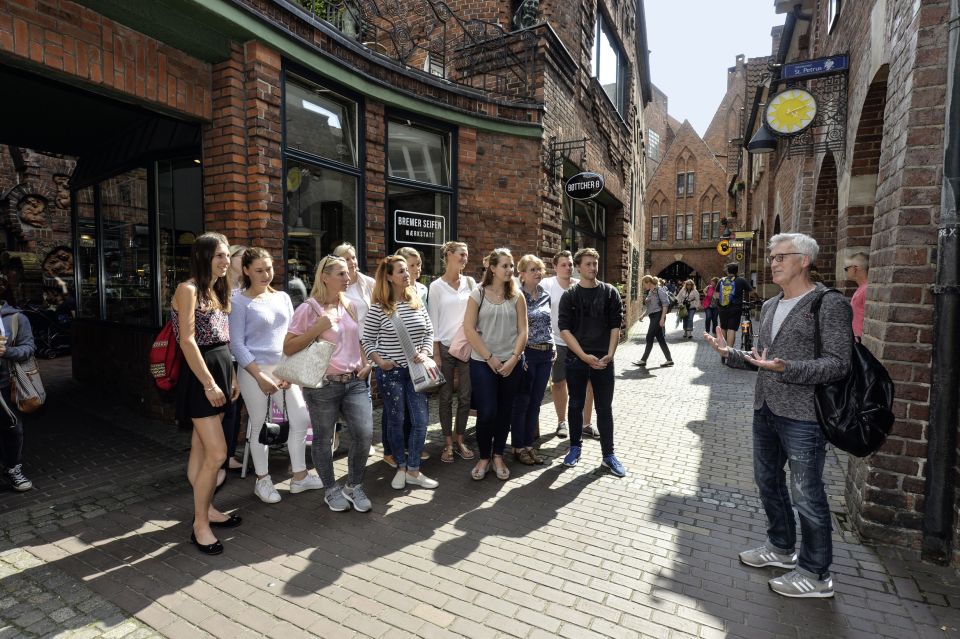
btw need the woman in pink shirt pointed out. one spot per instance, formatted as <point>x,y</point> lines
<point>327,314</point>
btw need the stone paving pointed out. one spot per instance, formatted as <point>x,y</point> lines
<point>100,548</point>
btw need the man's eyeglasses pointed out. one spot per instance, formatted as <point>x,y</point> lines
<point>847,268</point>
<point>779,257</point>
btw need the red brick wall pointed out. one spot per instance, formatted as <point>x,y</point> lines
<point>65,39</point>
<point>825,214</point>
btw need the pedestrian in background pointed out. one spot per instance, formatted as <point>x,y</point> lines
<point>689,299</point>
<point>393,294</point>
<point>360,289</point>
<point>655,305</point>
<point>448,303</point>
<point>259,320</point>
<point>709,304</point>
<point>15,346</point>
<point>856,268</point>
<point>732,291</point>
<point>537,362</point>
<point>231,419</point>
<point>414,265</point>
<point>785,428</point>
<point>591,314</point>
<point>495,324</point>
<point>329,315</point>
<point>207,384</point>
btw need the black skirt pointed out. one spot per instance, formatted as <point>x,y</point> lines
<point>192,400</point>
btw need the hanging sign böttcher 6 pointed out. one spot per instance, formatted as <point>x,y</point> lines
<point>583,186</point>
<point>411,227</point>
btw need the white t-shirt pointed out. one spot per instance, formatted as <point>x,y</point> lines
<point>360,293</point>
<point>447,306</point>
<point>552,286</point>
<point>783,309</point>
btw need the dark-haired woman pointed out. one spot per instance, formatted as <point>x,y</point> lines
<point>207,384</point>
<point>495,324</point>
<point>393,295</point>
<point>258,326</point>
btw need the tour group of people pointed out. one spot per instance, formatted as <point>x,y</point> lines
<point>495,342</point>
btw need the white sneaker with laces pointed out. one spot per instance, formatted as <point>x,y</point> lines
<point>795,584</point>
<point>310,482</point>
<point>265,490</point>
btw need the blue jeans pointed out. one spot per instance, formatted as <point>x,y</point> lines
<point>493,396</point>
<point>688,320</point>
<point>710,320</point>
<point>526,403</point>
<point>777,441</point>
<point>325,404</point>
<point>399,397</point>
<point>578,374</point>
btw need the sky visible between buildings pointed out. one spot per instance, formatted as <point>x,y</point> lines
<point>693,42</point>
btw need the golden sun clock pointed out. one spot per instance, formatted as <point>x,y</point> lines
<point>791,111</point>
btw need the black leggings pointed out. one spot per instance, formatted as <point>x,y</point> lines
<point>655,332</point>
<point>11,434</point>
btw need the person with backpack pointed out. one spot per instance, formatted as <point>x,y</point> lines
<point>16,345</point>
<point>785,424</point>
<point>732,290</point>
<point>656,302</point>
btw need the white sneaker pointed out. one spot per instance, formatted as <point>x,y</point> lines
<point>420,480</point>
<point>399,480</point>
<point>265,490</point>
<point>310,482</point>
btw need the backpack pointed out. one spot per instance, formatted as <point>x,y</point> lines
<point>728,290</point>
<point>166,358</point>
<point>673,301</point>
<point>855,413</point>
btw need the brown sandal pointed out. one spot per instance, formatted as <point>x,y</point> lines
<point>447,455</point>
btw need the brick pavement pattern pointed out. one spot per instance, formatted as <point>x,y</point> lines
<point>101,547</point>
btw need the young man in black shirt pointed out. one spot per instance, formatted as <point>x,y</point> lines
<point>589,319</point>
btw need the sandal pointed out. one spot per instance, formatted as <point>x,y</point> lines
<point>503,473</point>
<point>479,474</point>
<point>447,455</point>
<point>390,461</point>
<point>524,457</point>
<point>462,450</point>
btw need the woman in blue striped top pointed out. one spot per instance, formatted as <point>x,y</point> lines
<point>392,293</point>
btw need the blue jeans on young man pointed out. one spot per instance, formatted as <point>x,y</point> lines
<point>530,390</point>
<point>493,395</point>
<point>325,404</point>
<point>578,374</point>
<point>776,442</point>
<point>400,397</point>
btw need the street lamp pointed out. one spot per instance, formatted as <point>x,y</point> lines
<point>762,141</point>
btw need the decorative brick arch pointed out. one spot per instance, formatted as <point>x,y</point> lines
<point>856,226</point>
<point>825,219</point>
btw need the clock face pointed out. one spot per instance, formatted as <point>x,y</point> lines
<point>791,111</point>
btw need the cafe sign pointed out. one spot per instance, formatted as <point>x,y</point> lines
<point>411,227</point>
<point>584,186</point>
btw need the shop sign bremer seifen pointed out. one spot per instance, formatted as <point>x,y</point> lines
<point>410,227</point>
<point>583,186</point>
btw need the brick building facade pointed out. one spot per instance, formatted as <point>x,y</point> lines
<point>295,131</point>
<point>874,184</point>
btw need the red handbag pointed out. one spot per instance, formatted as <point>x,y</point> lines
<point>166,358</point>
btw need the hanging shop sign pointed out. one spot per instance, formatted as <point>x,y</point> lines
<point>411,227</point>
<point>817,67</point>
<point>723,248</point>
<point>584,186</point>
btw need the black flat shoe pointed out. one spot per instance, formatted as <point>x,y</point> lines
<point>232,522</point>
<point>208,549</point>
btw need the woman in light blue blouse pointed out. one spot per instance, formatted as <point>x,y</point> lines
<point>538,360</point>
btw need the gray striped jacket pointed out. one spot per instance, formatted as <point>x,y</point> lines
<point>790,393</point>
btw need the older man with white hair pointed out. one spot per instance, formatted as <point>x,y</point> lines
<point>785,428</point>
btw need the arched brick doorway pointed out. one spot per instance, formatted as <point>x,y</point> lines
<point>825,220</point>
<point>679,271</point>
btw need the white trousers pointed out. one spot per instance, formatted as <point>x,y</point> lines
<point>256,403</point>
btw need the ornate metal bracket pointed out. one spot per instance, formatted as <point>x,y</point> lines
<point>560,151</point>
<point>828,132</point>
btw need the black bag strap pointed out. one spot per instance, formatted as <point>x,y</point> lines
<point>267,417</point>
<point>815,309</point>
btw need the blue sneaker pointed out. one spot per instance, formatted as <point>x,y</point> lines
<point>572,457</point>
<point>614,465</point>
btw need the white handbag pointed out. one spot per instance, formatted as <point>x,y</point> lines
<point>307,367</point>
<point>425,375</point>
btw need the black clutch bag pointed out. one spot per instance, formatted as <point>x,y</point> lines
<point>274,431</point>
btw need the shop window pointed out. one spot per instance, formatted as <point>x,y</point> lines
<point>87,261</point>
<point>124,218</point>
<point>609,65</point>
<point>653,150</point>
<point>585,226</point>
<point>180,217</point>
<point>321,214</point>
<point>420,192</point>
<point>320,122</point>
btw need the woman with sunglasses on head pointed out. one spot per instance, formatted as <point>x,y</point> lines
<point>328,315</point>
<point>207,385</point>
<point>258,325</point>
<point>393,296</point>
<point>495,324</point>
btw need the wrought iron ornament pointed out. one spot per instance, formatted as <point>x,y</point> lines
<point>828,132</point>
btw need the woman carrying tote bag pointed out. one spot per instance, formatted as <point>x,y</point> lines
<point>393,295</point>
<point>327,314</point>
<point>258,326</point>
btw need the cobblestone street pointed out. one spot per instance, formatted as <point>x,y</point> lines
<point>100,547</point>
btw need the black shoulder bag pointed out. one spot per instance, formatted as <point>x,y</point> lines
<point>855,413</point>
<point>275,432</point>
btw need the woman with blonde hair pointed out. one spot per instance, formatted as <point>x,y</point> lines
<point>394,297</point>
<point>656,303</point>
<point>327,314</point>
<point>495,324</point>
<point>448,302</point>
<point>689,298</point>
<point>258,325</point>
